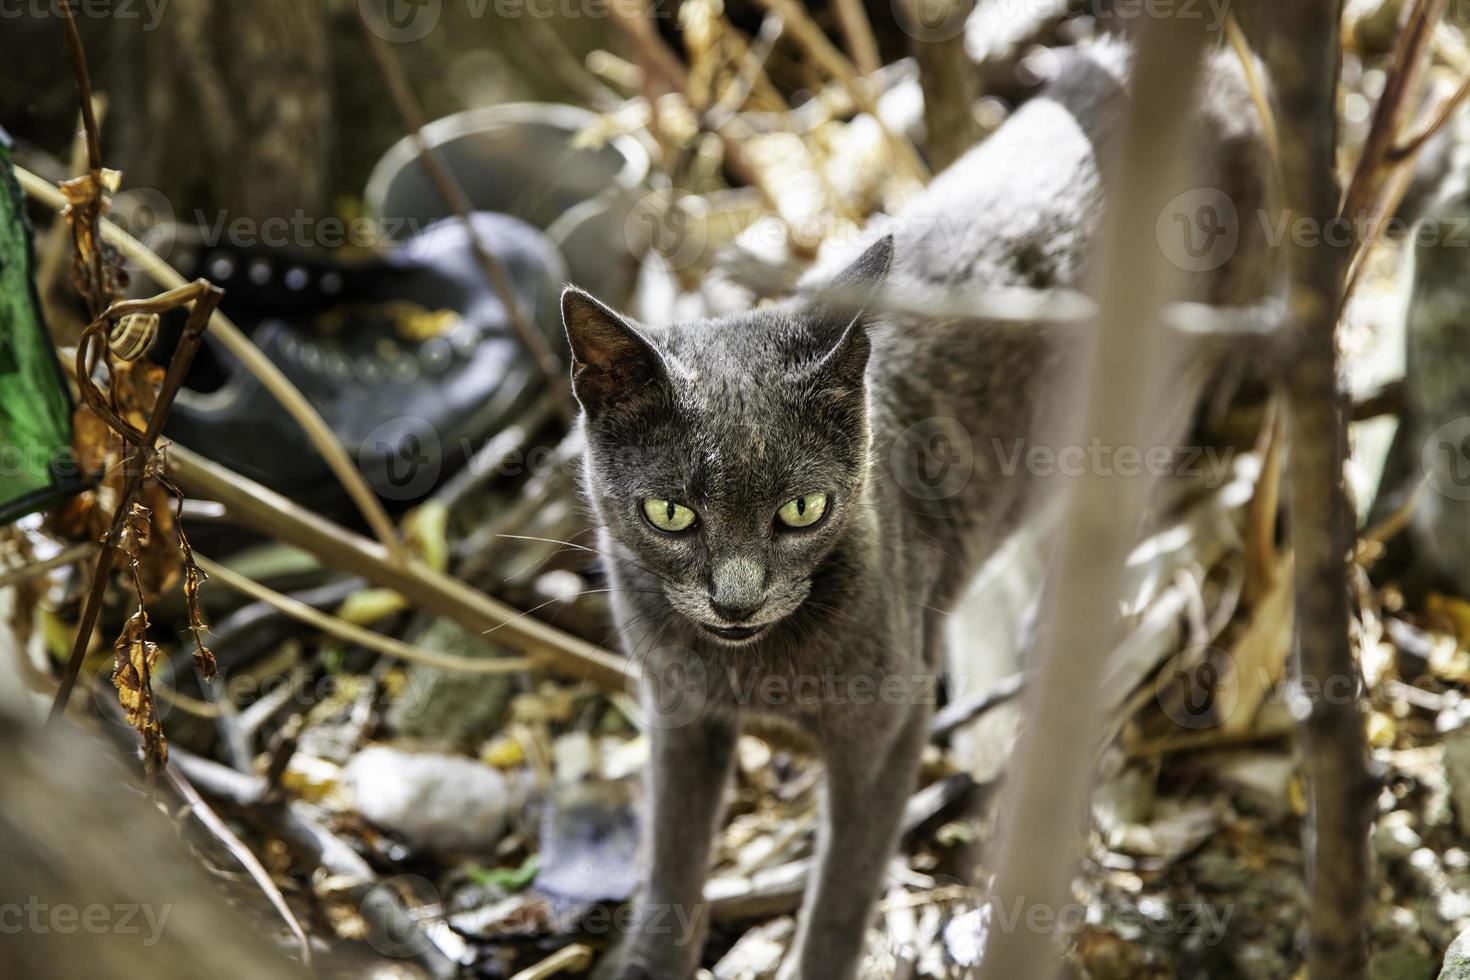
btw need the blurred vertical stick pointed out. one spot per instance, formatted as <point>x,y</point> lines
<point>857,31</point>
<point>1304,57</point>
<point>949,79</point>
<point>1052,775</point>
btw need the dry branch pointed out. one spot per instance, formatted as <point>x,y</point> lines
<point>1052,770</point>
<point>143,454</point>
<point>1331,730</point>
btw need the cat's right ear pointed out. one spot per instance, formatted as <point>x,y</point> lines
<point>610,358</point>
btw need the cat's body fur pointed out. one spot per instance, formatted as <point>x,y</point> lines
<point>737,414</point>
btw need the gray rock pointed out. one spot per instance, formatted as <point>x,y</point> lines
<point>1457,773</point>
<point>434,802</point>
<point>450,709</point>
<point>1393,838</point>
<point>1457,959</point>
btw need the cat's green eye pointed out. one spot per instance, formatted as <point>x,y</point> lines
<point>804,511</point>
<point>667,515</point>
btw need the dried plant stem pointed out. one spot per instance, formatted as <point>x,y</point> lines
<point>352,633</point>
<point>569,959</point>
<point>1052,773</point>
<point>212,822</point>
<point>1402,81</point>
<point>264,370</point>
<point>552,369</point>
<point>137,467</point>
<point>951,84</point>
<point>805,32</point>
<point>857,30</point>
<point>96,293</point>
<point>1255,86</point>
<point>1330,726</point>
<point>267,511</point>
<point>1442,114</point>
<point>30,570</point>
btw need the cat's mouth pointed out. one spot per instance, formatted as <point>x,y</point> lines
<point>735,634</point>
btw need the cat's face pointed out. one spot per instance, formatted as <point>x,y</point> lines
<point>728,456</point>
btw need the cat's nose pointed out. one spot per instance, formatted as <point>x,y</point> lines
<point>737,589</point>
<point>735,613</point>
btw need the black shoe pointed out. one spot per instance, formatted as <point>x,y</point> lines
<point>411,360</point>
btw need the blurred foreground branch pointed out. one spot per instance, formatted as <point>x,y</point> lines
<point>1052,773</point>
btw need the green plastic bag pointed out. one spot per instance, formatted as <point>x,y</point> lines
<point>37,466</point>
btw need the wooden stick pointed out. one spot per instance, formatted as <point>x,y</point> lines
<point>857,30</point>
<point>30,570</point>
<point>138,462</point>
<point>212,822</point>
<point>1330,729</point>
<point>264,370</point>
<point>1053,769</point>
<point>267,511</point>
<point>569,959</point>
<point>1402,80</point>
<point>552,370</point>
<point>353,633</point>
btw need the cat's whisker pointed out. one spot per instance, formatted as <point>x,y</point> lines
<point>589,550</point>
<point>562,598</point>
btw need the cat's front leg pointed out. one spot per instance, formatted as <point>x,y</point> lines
<point>684,786</point>
<point>869,781</point>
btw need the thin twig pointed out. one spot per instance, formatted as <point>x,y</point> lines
<point>1401,81</point>
<point>353,633</point>
<point>96,294</point>
<point>212,822</point>
<point>553,371</point>
<point>1410,147</point>
<point>569,959</point>
<point>857,30</point>
<point>264,370</point>
<point>207,299</point>
<point>67,556</point>
<point>267,511</point>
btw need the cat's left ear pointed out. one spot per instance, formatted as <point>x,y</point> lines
<point>611,359</point>
<point>840,313</point>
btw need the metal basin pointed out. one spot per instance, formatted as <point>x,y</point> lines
<point>519,159</point>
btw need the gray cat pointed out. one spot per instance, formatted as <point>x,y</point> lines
<point>790,500</point>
